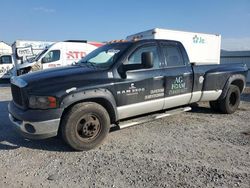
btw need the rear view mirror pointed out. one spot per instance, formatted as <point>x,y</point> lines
<point>147,60</point>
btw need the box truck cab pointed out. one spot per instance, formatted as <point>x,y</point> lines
<point>6,66</point>
<point>59,54</point>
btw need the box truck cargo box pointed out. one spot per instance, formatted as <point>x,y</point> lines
<point>201,48</point>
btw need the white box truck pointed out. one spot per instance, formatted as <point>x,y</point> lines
<point>59,54</point>
<point>201,48</point>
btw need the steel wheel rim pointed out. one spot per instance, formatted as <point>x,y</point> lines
<point>88,127</point>
<point>233,99</point>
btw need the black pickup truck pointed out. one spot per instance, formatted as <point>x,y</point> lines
<point>115,82</point>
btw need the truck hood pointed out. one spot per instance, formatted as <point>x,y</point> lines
<point>62,76</point>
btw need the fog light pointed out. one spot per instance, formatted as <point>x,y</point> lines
<point>29,128</point>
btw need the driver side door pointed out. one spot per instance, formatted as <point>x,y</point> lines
<point>142,89</point>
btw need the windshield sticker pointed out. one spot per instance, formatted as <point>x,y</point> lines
<point>113,51</point>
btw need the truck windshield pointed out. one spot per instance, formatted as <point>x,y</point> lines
<point>104,56</point>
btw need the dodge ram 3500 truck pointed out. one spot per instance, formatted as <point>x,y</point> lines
<point>115,82</point>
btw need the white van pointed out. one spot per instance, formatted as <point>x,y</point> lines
<point>6,66</point>
<point>59,54</point>
<point>201,48</point>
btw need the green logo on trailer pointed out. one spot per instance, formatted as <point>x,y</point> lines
<point>198,40</point>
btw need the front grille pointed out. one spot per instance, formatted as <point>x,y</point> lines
<point>17,95</point>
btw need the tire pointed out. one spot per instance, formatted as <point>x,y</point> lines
<point>215,105</point>
<point>231,102</point>
<point>85,126</point>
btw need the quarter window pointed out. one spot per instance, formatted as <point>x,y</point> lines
<point>172,56</point>
<point>135,58</point>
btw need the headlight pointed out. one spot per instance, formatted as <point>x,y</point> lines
<point>42,102</point>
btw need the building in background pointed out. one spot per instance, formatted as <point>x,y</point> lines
<point>229,57</point>
<point>5,48</point>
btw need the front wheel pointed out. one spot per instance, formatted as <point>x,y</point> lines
<point>231,102</point>
<point>85,126</point>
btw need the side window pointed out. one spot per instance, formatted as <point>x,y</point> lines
<point>5,59</point>
<point>51,56</point>
<point>135,58</point>
<point>173,56</point>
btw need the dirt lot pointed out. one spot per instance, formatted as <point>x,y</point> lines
<point>194,149</point>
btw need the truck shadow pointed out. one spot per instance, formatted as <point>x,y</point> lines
<point>201,109</point>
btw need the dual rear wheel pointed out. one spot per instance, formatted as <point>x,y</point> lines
<point>230,103</point>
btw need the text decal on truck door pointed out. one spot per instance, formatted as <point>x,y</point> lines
<point>178,86</point>
<point>132,90</point>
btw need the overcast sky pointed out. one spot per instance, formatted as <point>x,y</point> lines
<point>103,20</point>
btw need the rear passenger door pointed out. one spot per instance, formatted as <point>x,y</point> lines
<point>177,75</point>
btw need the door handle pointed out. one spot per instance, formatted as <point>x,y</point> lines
<point>158,77</point>
<point>186,73</point>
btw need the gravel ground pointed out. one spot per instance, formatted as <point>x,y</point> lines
<point>194,149</point>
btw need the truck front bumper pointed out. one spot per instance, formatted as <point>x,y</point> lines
<point>35,124</point>
<point>36,130</point>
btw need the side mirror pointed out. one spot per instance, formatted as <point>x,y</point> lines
<point>44,60</point>
<point>147,60</point>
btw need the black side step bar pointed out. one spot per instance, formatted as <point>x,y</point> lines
<point>140,120</point>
